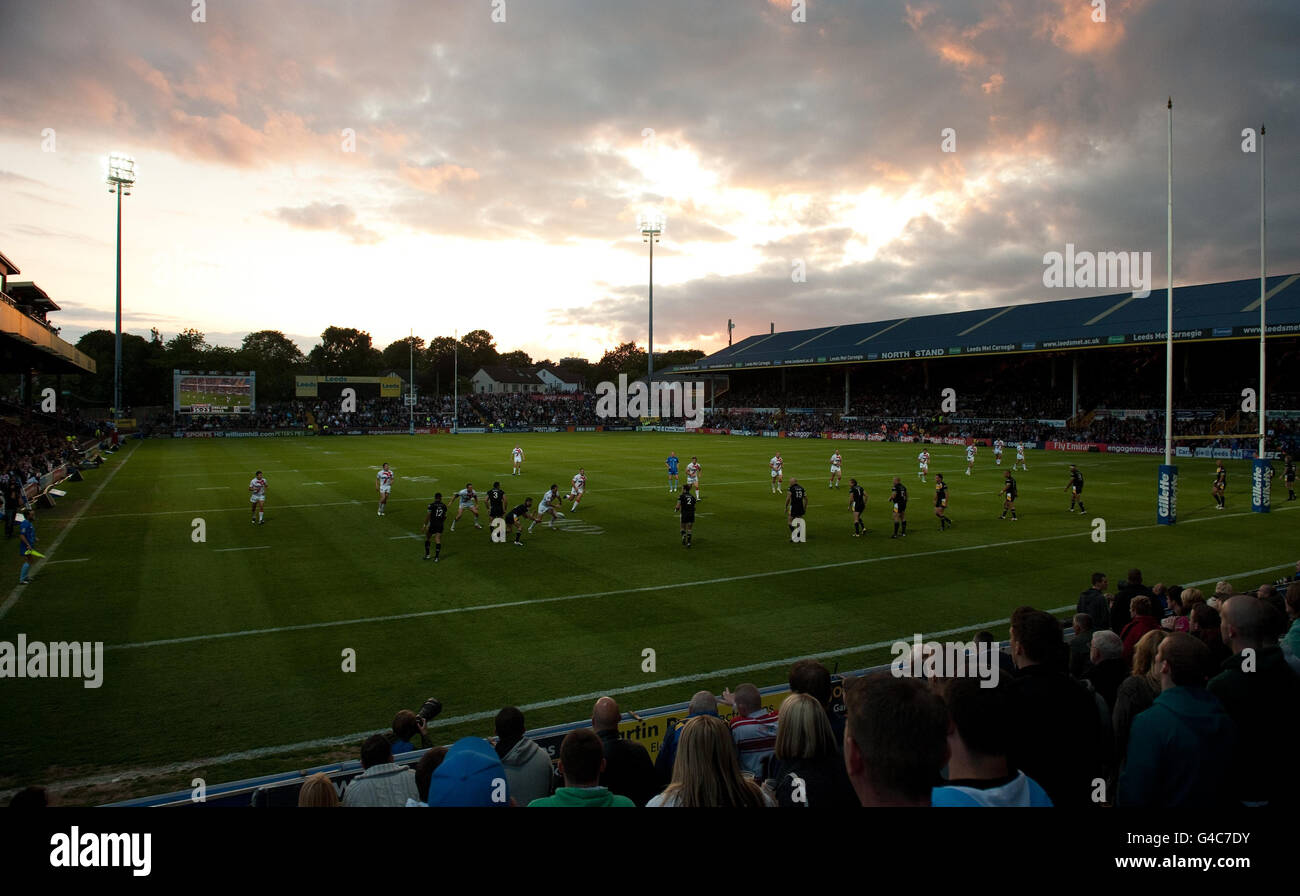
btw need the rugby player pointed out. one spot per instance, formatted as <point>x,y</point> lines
<point>433,522</point>
<point>686,509</point>
<point>1075,488</point>
<point>941,501</point>
<point>836,463</point>
<point>1008,496</point>
<point>258,499</point>
<point>898,501</point>
<point>468,501</point>
<point>857,504</point>
<point>796,503</point>
<point>383,485</point>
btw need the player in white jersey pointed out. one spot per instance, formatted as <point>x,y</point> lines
<point>517,457</point>
<point>775,465</point>
<point>467,499</point>
<point>923,464</point>
<point>578,488</point>
<point>836,463</point>
<point>1020,457</point>
<point>551,497</point>
<point>257,488</point>
<point>998,444</point>
<point>383,485</point>
<point>693,476</point>
<point>970,458</point>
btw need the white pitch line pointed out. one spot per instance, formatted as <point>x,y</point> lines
<point>13,595</point>
<point>263,547</point>
<point>77,560</point>
<point>450,611</point>
<point>264,752</point>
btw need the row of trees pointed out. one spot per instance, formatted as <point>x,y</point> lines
<point>147,364</point>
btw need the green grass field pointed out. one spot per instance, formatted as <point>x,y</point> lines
<point>224,657</point>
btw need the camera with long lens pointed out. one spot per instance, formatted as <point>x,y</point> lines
<point>429,711</point>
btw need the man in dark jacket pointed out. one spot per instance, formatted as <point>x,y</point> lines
<point>1096,603</point>
<point>702,704</point>
<point>1180,751</point>
<point>1262,695</point>
<point>1120,612</point>
<point>629,770</point>
<point>1057,736</point>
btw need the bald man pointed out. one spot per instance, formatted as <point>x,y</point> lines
<point>1262,695</point>
<point>629,771</point>
<point>703,703</point>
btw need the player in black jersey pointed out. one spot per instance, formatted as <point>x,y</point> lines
<point>941,501</point>
<point>496,499</point>
<point>686,507</point>
<point>433,522</point>
<point>515,518</point>
<point>1289,475</point>
<point>1008,496</point>
<point>1075,488</point>
<point>796,502</point>
<point>898,501</point>
<point>1220,486</point>
<point>857,504</point>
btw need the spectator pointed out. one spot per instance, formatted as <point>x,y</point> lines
<point>707,772</point>
<point>1291,640</point>
<point>1109,669</point>
<point>408,733</point>
<point>811,766</point>
<point>986,641</point>
<point>702,704</point>
<point>528,768</point>
<point>1055,726</point>
<point>979,773</point>
<point>895,740</point>
<point>1262,695</point>
<point>1142,620</point>
<point>582,762</point>
<point>1177,620</point>
<point>1128,590</point>
<point>318,790</point>
<point>1137,692</point>
<point>1096,603</point>
<point>31,797</point>
<point>629,771</point>
<point>424,770</point>
<point>1206,626</point>
<point>470,775</point>
<point>383,783</point>
<point>753,727</point>
<point>1081,646</point>
<point>1180,750</point>
<point>811,677</point>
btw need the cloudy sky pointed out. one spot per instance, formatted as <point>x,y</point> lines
<point>456,164</point>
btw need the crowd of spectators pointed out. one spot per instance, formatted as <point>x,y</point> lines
<point>1137,709</point>
<point>1013,416</point>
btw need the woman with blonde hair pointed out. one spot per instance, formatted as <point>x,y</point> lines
<point>318,790</point>
<point>707,771</point>
<point>809,769</point>
<point>1138,691</point>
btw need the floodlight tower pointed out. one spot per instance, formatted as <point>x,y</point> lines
<point>651,224</point>
<point>121,178</point>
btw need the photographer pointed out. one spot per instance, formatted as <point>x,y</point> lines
<point>407,726</point>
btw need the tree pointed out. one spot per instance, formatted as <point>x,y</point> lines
<point>397,356</point>
<point>276,359</point>
<point>517,358</point>
<point>477,349</point>
<point>441,358</point>
<point>187,350</point>
<point>627,358</point>
<point>144,381</point>
<point>345,351</point>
